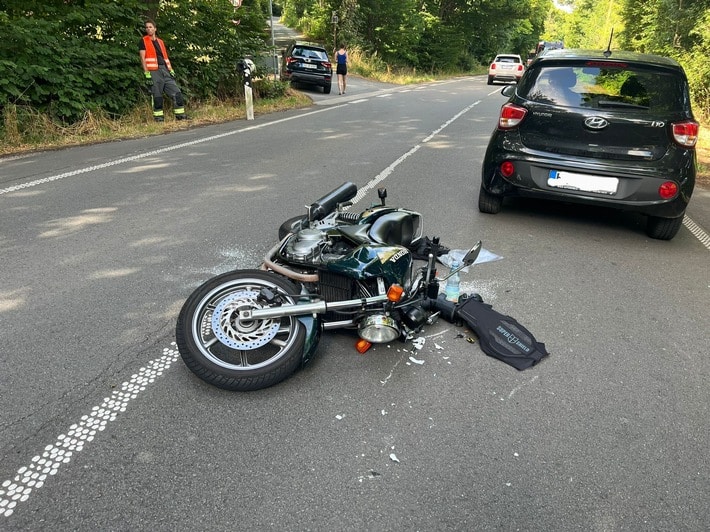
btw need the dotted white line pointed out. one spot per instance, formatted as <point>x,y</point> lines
<point>33,476</point>
<point>697,231</point>
<point>362,192</point>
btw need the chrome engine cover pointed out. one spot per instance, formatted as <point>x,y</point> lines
<point>306,246</point>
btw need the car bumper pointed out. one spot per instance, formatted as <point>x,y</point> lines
<point>505,77</point>
<point>306,77</point>
<point>636,190</point>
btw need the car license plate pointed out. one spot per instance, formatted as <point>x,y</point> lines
<point>583,182</point>
<point>309,65</point>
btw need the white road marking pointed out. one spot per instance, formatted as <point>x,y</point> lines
<point>697,231</point>
<point>166,149</point>
<point>33,476</point>
<point>362,192</point>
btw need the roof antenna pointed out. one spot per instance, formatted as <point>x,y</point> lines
<point>607,52</point>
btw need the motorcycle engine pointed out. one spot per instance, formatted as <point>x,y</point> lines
<point>306,246</point>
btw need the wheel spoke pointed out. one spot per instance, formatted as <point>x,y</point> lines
<point>211,342</point>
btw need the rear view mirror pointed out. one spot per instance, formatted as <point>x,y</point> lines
<point>472,254</point>
<point>508,91</point>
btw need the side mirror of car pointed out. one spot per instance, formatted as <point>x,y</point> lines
<point>508,91</point>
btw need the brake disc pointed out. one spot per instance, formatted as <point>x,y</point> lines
<point>237,334</point>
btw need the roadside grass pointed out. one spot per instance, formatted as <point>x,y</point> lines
<point>27,130</point>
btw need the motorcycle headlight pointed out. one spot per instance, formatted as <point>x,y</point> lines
<point>378,329</point>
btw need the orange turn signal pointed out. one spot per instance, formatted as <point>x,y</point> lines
<point>362,346</point>
<point>394,293</point>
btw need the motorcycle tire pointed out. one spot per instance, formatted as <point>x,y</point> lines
<point>292,225</point>
<point>246,356</point>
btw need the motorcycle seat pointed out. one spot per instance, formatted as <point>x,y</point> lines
<point>394,228</point>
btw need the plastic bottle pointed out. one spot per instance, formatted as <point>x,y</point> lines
<point>453,284</point>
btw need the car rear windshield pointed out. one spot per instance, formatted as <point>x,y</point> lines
<point>310,53</point>
<point>507,59</point>
<point>607,86</point>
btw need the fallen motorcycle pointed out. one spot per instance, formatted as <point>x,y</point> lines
<point>250,329</point>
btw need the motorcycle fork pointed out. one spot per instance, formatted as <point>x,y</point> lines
<point>319,307</point>
<point>313,333</point>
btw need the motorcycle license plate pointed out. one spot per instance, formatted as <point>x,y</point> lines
<point>583,182</point>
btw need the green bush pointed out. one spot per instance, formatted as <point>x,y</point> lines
<point>64,57</point>
<point>269,89</point>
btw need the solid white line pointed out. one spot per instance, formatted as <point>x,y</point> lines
<point>157,152</point>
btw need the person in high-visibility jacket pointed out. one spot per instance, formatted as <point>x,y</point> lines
<point>159,73</point>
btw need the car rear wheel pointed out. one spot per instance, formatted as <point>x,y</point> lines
<point>490,80</point>
<point>326,89</point>
<point>663,228</point>
<point>489,203</point>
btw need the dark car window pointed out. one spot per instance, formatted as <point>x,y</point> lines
<point>604,87</point>
<point>310,53</point>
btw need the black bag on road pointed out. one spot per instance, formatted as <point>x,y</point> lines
<point>501,337</point>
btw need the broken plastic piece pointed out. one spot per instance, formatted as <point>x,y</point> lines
<point>362,346</point>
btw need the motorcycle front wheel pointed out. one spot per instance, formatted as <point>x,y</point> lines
<point>233,354</point>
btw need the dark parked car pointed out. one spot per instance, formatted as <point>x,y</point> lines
<point>307,63</point>
<point>612,129</point>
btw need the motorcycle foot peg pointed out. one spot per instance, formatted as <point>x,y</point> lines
<point>431,320</point>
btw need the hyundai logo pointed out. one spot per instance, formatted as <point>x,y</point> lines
<point>596,122</point>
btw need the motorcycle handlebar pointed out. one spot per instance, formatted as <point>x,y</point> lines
<point>448,310</point>
<point>324,206</point>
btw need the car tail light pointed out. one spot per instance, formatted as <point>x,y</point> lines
<point>510,116</point>
<point>507,168</point>
<point>520,68</point>
<point>685,133</point>
<point>290,60</point>
<point>326,64</point>
<point>668,190</point>
<point>493,66</point>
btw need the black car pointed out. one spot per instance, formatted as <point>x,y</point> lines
<point>606,128</point>
<point>307,63</point>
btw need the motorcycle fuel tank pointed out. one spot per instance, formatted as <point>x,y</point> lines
<point>393,263</point>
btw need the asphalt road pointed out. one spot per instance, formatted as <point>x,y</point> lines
<point>103,428</point>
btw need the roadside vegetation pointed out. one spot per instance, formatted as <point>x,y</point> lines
<point>27,129</point>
